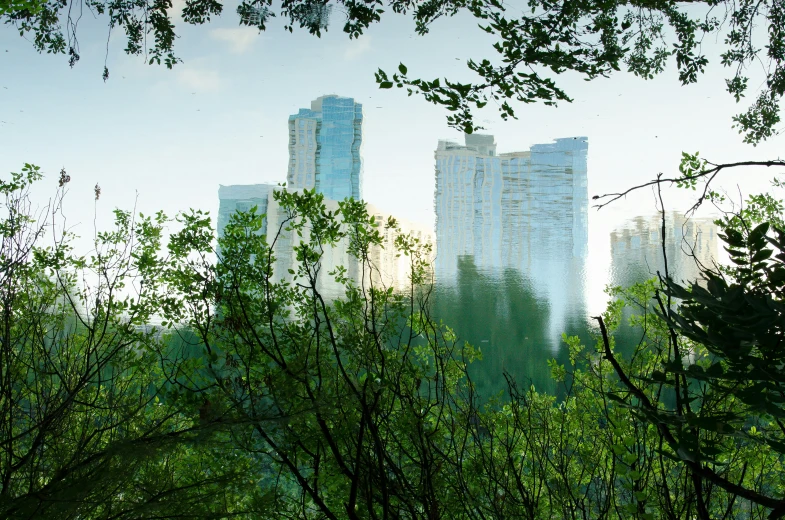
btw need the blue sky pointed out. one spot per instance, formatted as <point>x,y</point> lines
<point>165,139</point>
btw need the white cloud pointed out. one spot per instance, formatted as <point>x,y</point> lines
<point>356,48</point>
<point>239,39</point>
<point>199,79</point>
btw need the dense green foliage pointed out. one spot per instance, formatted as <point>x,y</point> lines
<point>724,365</point>
<point>84,431</point>
<point>348,402</point>
<point>265,399</point>
<point>587,456</point>
<point>259,397</point>
<point>590,38</point>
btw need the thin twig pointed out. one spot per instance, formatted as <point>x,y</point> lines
<point>711,173</point>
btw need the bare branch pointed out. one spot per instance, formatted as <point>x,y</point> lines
<point>711,173</point>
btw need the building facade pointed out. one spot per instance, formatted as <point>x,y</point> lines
<point>324,148</point>
<point>507,209</point>
<point>242,198</point>
<point>636,248</point>
<point>385,266</point>
<point>525,211</point>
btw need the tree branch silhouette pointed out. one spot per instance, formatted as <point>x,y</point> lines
<point>710,173</point>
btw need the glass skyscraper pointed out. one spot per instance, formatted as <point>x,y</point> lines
<point>324,148</point>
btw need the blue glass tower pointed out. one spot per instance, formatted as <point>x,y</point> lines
<point>324,148</point>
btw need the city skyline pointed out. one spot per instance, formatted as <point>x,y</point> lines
<point>221,117</point>
<point>526,210</point>
<point>324,150</point>
<point>498,208</point>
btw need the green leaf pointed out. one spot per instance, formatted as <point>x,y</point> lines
<point>758,232</point>
<point>761,255</point>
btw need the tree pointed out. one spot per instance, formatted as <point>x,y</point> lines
<point>374,414</point>
<point>264,399</point>
<point>723,366</point>
<point>591,38</point>
<point>370,411</point>
<point>84,429</point>
<point>595,39</point>
<point>364,390</point>
<point>268,399</point>
<point>11,6</point>
<point>587,456</point>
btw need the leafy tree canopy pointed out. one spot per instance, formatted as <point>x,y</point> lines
<point>85,429</point>
<point>593,38</point>
<point>720,361</point>
<point>269,400</point>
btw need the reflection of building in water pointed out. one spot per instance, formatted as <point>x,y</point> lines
<point>636,248</point>
<point>505,318</point>
<point>324,154</point>
<point>324,148</point>
<point>521,210</point>
<point>242,198</point>
<point>507,209</point>
<point>387,267</point>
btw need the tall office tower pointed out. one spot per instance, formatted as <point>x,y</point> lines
<point>523,210</point>
<point>242,197</point>
<point>636,248</point>
<point>507,209</point>
<point>324,148</point>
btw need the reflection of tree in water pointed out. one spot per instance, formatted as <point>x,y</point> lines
<point>500,313</point>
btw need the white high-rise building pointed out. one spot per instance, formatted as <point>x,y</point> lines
<point>523,210</point>
<point>387,268</point>
<point>636,248</point>
<point>505,210</point>
<point>242,198</point>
